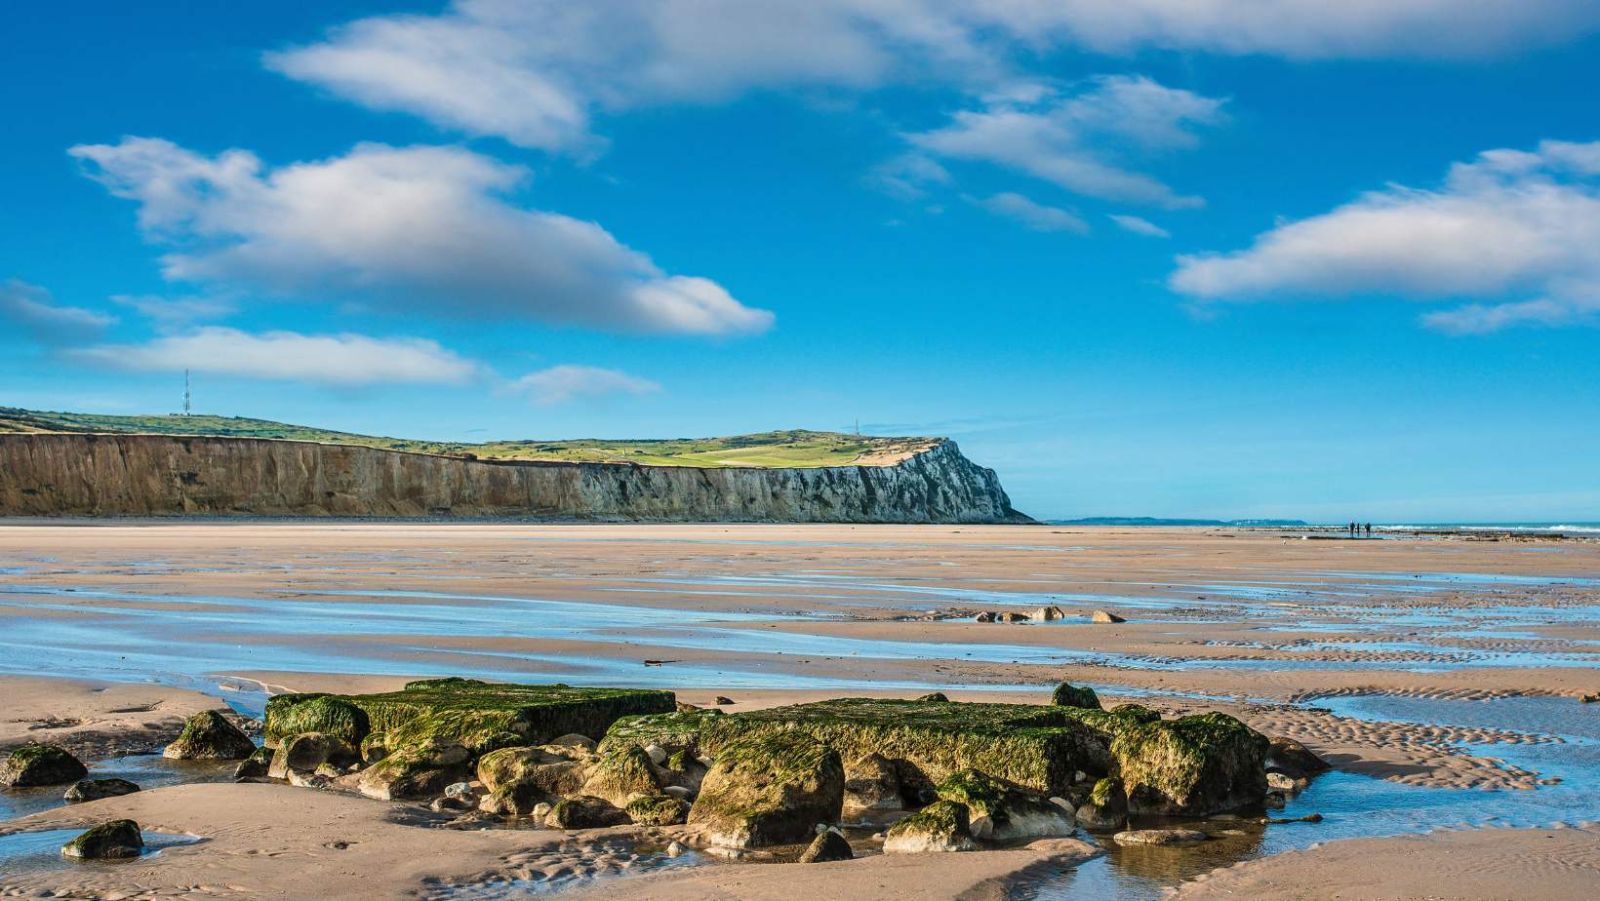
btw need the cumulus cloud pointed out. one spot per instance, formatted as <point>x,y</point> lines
<point>31,309</point>
<point>1031,214</point>
<point>418,228</point>
<point>1517,231</point>
<point>341,360</point>
<point>567,382</point>
<point>1077,139</point>
<point>536,72</point>
<point>1139,225</point>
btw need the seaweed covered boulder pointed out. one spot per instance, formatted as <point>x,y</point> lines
<point>35,764</point>
<point>1002,810</point>
<point>415,772</point>
<point>623,773</point>
<point>256,766</point>
<point>1192,766</point>
<point>657,810</point>
<point>584,812</point>
<point>516,780</point>
<point>114,840</point>
<point>289,715</point>
<point>827,847</point>
<point>1080,696</point>
<point>1106,808</point>
<point>208,735</point>
<point>770,789</point>
<point>306,752</point>
<point>476,715</point>
<point>98,789</point>
<point>941,826</point>
<point>872,784</point>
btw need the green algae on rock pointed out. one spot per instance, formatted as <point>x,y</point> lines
<point>622,774</point>
<point>1069,695</point>
<point>941,826</point>
<point>415,772</point>
<point>769,789</point>
<point>584,812</point>
<point>474,714</point>
<point>114,840</point>
<point>1106,808</point>
<point>1000,810</point>
<point>1199,764</point>
<point>208,735</point>
<point>35,764</point>
<point>657,810</point>
<point>293,714</point>
<point>516,780</point>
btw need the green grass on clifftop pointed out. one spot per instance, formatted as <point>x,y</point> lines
<point>796,448</point>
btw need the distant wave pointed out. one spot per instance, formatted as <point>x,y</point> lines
<point>1585,528</point>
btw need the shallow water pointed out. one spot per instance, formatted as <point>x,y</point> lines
<point>32,852</point>
<point>144,770</point>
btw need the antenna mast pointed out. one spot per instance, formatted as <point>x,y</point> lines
<point>186,394</point>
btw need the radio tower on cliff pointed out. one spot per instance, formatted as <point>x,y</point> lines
<point>186,394</point>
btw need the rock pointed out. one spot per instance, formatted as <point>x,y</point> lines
<point>1103,616</point>
<point>209,736</point>
<point>1308,818</point>
<point>475,715</point>
<point>1002,810</point>
<point>541,811</point>
<point>826,847</point>
<point>415,772</point>
<point>113,840</point>
<point>584,812</point>
<point>289,715</point>
<point>516,780</point>
<point>460,790</point>
<point>1011,617</point>
<point>1294,759</point>
<point>256,766</point>
<point>318,780</point>
<point>680,792</point>
<point>446,804</point>
<point>686,707</point>
<point>95,789</point>
<point>36,764</point>
<point>1048,614</point>
<point>575,742</point>
<point>657,810</point>
<point>622,774</point>
<point>676,849</point>
<point>374,748</point>
<point>932,697</point>
<point>305,752</point>
<point>1106,809</point>
<point>987,616</point>
<point>656,753</point>
<point>941,826</point>
<point>1589,698</point>
<point>1191,766</point>
<point>1284,783</point>
<point>769,790</point>
<point>872,784</point>
<point>723,701</point>
<point>1137,713</point>
<point>1160,837</point>
<point>1069,695</point>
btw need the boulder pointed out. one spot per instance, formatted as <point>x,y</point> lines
<point>1106,808</point>
<point>987,616</point>
<point>305,752</point>
<point>1103,616</point>
<point>515,780</point>
<point>479,716</point>
<point>1137,713</point>
<point>657,810</point>
<point>723,701</point>
<point>584,812</point>
<point>1160,837</point>
<point>769,790</point>
<point>1048,614</point>
<point>622,774</point>
<point>1294,759</point>
<point>96,789</point>
<point>933,697</point>
<point>374,747</point>
<point>1069,695</point>
<point>289,715</point>
<point>1192,766</point>
<point>415,772</point>
<point>871,783</point>
<point>114,840</point>
<point>941,826</point>
<point>826,847</point>
<point>579,743</point>
<point>36,764</point>
<point>209,736</point>
<point>1002,810</point>
<point>256,766</point>
<point>1011,617</point>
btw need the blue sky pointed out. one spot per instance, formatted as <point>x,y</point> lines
<point>1142,257</point>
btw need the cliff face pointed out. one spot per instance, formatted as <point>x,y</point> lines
<point>157,475</point>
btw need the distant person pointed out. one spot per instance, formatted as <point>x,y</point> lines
<point>1369,530</point>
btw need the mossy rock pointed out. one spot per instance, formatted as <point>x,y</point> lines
<point>305,752</point>
<point>584,812</point>
<point>295,714</point>
<point>258,765</point>
<point>1106,809</point>
<point>98,789</point>
<point>827,847</point>
<point>677,732</point>
<point>769,789</point>
<point>479,715</point>
<point>374,747</point>
<point>941,826</point>
<point>623,773</point>
<point>1137,713</point>
<point>1002,810</point>
<point>1192,766</point>
<point>1080,696</point>
<point>516,780</point>
<point>415,772</point>
<point>657,810</point>
<point>36,764</point>
<point>872,783</point>
<point>1294,759</point>
<point>208,735</point>
<point>114,840</point>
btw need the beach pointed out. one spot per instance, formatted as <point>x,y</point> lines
<point>1441,674</point>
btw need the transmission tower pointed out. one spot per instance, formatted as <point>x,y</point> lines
<point>187,397</point>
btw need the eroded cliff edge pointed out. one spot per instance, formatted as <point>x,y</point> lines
<point>161,475</point>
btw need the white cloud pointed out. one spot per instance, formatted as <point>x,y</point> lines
<point>1139,225</point>
<point>31,309</point>
<point>418,228</point>
<point>566,382</point>
<point>1034,215</point>
<point>343,360</point>
<point>908,176</point>
<point>536,72</point>
<point>1518,229</point>
<point>168,312</point>
<point>1076,140</point>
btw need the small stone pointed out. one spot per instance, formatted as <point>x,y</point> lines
<point>1048,614</point>
<point>1012,617</point>
<point>114,840</point>
<point>1160,837</point>
<point>1308,818</point>
<point>540,811</point>
<point>987,616</point>
<point>676,849</point>
<point>1105,616</point>
<point>584,812</point>
<point>441,805</point>
<point>827,846</point>
<point>656,753</point>
<point>681,792</point>
<point>723,700</point>
<point>459,790</point>
<point>95,789</point>
<point>1283,782</point>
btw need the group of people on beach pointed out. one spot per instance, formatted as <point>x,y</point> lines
<point>1356,527</point>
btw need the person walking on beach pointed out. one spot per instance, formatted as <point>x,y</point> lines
<point>1369,530</point>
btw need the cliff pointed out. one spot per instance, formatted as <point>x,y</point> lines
<point>59,474</point>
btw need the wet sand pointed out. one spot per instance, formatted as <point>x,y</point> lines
<point>1260,623</point>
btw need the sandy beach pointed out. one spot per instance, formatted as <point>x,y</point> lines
<point>1441,676</point>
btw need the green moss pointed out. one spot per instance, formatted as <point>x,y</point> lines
<point>945,818</point>
<point>1136,712</point>
<point>676,732</point>
<point>209,736</point>
<point>1069,695</point>
<point>1192,765</point>
<point>982,794</point>
<point>622,774</point>
<point>40,764</point>
<point>291,714</point>
<point>1105,791</point>
<point>108,841</point>
<point>656,810</point>
<point>769,789</point>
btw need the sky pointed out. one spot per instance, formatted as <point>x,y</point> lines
<point>1234,258</point>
